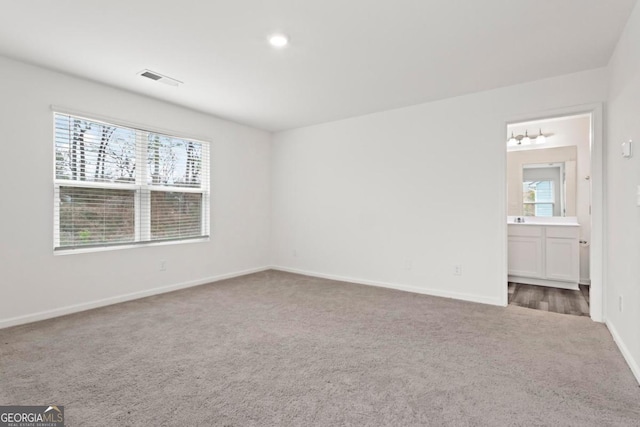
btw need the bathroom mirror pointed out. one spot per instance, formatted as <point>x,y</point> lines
<point>543,189</point>
<point>542,182</point>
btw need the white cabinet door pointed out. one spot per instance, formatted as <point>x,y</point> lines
<point>562,259</point>
<point>525,256</point>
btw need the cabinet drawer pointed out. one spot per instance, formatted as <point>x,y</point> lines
<point>525,230</point>
<point>563,232</point>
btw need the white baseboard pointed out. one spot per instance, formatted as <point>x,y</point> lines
<point>400,287</point>
<point>572,286</point>
<point>56,312</point>
<point>635,368</point>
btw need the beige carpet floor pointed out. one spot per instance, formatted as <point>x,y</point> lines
<point>274,348</point>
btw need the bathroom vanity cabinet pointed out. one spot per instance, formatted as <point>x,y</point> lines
<point>545,254</point>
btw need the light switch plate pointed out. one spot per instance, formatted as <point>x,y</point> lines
<point>626,149</point>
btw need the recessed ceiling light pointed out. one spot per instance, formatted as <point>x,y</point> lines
<point>278,40</point>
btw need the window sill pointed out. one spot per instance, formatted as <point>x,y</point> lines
<point>127,246</point>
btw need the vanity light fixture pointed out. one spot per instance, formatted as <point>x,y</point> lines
<point>526,139</point>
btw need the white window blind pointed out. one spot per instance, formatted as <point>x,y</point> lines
<point>117,185</point>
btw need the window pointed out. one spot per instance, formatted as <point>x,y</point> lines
<point>116,185</point>
<point>538,198</point>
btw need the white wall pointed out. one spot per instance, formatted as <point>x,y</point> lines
<point>34,282</point>
<point>623,178</point>
<point>400,197</point>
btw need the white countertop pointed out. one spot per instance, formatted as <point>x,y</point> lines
<point>568,221</point>
<point>547,224</point>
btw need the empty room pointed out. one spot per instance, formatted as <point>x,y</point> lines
<point>301,213</point>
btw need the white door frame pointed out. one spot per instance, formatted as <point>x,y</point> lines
<point>597,246</point>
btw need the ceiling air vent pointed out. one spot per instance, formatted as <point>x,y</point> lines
<point>159,77</point>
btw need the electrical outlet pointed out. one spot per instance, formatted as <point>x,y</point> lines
<point>457,270</point>
<point>408,264</point>
<point>620,303</point>
<point>294,253</point>
<point>163,265</point>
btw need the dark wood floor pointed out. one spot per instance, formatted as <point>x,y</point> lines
<point>562,301</point>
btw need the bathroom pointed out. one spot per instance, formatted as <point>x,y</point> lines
<point>549,187</point>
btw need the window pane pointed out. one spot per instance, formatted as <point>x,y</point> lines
<point>173,161</point>
<point>529,210</point>
<point>93,151</point>
<point>544,209</point>
<point>175,215</point>
<point>537,191</point>
<point>90,216</point>
<point>544,191</point>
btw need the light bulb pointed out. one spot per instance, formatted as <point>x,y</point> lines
<point>512,141</point>
<point>526,140</point>
<point>541,139</point>
<point>278,40</point>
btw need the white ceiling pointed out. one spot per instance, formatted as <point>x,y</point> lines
<point>346,58</point>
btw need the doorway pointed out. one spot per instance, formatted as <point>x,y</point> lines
<point>553,177</point>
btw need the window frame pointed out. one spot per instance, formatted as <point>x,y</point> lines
<point>142,190</point>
